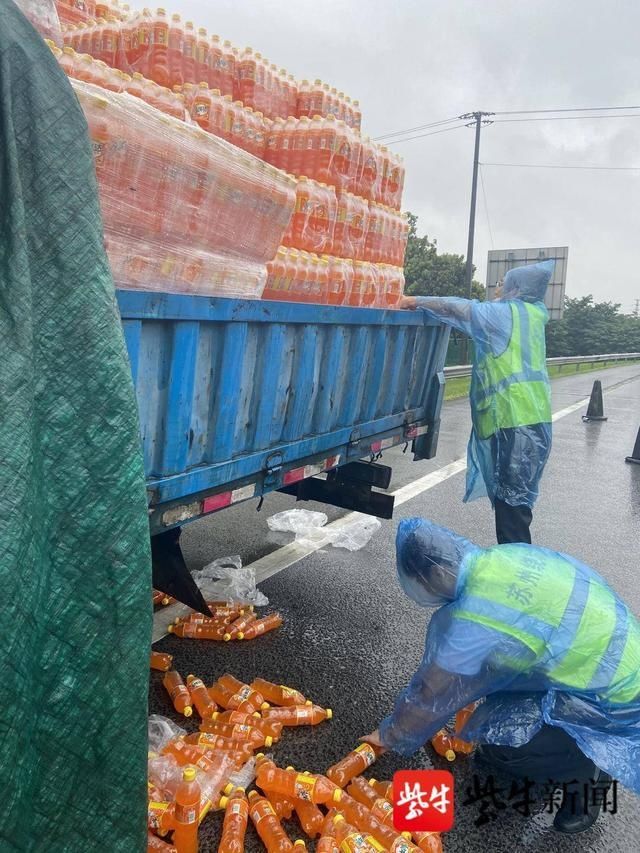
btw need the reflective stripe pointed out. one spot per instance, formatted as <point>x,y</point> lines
<point>627,675</point>
<point>536,645</point>
<point>611,660</point>
<point>590,640</point>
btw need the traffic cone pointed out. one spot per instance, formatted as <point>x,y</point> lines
<point>595,410</point>
<point>635,453</point>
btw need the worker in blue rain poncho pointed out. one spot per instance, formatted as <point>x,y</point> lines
<point>510,393</point>
<point>549,644</point>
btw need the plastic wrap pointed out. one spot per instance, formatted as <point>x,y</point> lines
<point>44,17</point>
<point>314,218</point>
<point>510,394</point>
<point>324,149</point>
<point>539,633</point>
<point>351,226</point>
<point>309,527</point>
<point>226,579</point>
<point>260,85</point>
<point>161,731</point>
<point>181,204</point>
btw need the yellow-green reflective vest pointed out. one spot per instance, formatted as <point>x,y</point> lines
<point>512,389</point>
<point>575,631</point>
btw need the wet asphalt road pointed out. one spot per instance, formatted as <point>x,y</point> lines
<point>351,640</point>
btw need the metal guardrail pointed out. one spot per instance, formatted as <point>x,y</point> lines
<point>465,369</point>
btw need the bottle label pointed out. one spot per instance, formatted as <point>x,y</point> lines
<point>197,684</point>
<point>201,110</point>
<point>303,714</point>
<point>381,808</point>
<point>261,810</point>
<point>354,841</point>
<point>178,690</point>
<point>366,753</point>
<point>259,627</point>
<point>189,49</point>
<point>241,729</point>
<point>175,40</point>
<point>399,846</point>
<point>186,814</point>
<point>155,812</point>
<point>304,786</point>
<point>236,807</point>
<point>160,35</point>
<point>287,692</point>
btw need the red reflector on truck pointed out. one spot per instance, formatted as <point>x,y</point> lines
<point>216,502</point>
<point>414,431</point>
<point>297,474</point>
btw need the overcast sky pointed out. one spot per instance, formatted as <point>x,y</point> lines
<point>411,62</point>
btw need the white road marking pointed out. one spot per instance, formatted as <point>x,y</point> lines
<point>294,552</point>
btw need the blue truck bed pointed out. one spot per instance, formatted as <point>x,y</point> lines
<point>238,398</point>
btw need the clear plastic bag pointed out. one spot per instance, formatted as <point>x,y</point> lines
<point>161,731</point>
<point>226,579</point>
<point>309,528</point>
<point>298,521</point>
<point>244,777</point>
<point>44,17</point>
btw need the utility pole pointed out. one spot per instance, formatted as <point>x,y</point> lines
<point>476,119</point>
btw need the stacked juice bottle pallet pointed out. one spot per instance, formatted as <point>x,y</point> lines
<point>333,232</point>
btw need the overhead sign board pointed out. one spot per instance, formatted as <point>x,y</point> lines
<point>500,261</point>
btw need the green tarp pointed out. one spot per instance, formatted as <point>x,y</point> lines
<point>74,558</point>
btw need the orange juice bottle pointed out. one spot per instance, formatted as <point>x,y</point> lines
<point>201,106</point>
<point>174,51</point>
<point>289,783</point>
<point>362,819</point>
<point>185,835</point>
<point>231,701</point>
<point>205,705</point>
<point>86,37</point>
<point>246,76</point>
<point>261,626</point>
<point>459,745</point>
<point>379,806</point>
<point>240,624</point>
<point>267,727</point>
<point>161,661</point>
<point>157,845</point>
<point>96,38</point>
<point>230,68</point>
<point>207,758</point>
<point>336,286</point>
<point>241,732</point>
<point>142,53</point>
<point>428,842</point>
<point>178,692</point>
<point>327,842</point>
<point>298,715</point>
<point>267,825</point>
<point>382,789</point>
<point>351,840</point>
<point>159,68</point>
<point>282,806</point>
<point>161,816</point>
<point>353,764</point>
<point>443,744</point>
<point>304,99</point>
<point>243,691</point>
<point>234,826</point>
<point>278,694</point>
<point>215,63</point>
<point>69,61</point>
<point>301,139</point>
<point>199,631</point>
<point>310,817</point>
<point>189,53</point>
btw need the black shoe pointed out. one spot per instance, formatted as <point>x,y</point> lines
<point>572,821</point>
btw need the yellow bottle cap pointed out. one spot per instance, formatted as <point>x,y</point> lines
<point>406,835</point>
<point>337,795</point>
<point>264,706</point>
<point>268,741</point>
<point>253,795</point>
<point>203,84</point>
<point>290,767</point>
<point>189,774</point>
<point>228,788</point>
<point>256,714</point>
<point>260,755</point>
<point>215,715</point>
<point>450,755</point>
<point>338,818</point>
<point>308,702</point>
<point>372,782</point>
<point>226,637</point>
<point>240,789</point>
<point>241,637</point>
<point>170,629</point>
<point>299,843</point>
<point>188,711</point>
<point>223,802</point>
<point>329,714</point>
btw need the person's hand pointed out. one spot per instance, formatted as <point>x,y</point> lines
<point>374,740</point>
<point>409,303</point>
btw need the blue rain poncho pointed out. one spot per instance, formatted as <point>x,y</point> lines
<point>510,392</point>
<point>538,633</point>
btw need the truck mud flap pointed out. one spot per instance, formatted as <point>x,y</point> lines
<point>349,487</point>
<point>425,446</point>
<point>170,573</point>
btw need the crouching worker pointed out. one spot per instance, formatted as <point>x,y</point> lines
<point>549,644</point>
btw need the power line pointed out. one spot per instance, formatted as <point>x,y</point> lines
<point>564,166</point>
<point>565,118</point>
<point>563,110</point>
<point>422,135</point>
<point>418,127</point>
<point>486,206</point>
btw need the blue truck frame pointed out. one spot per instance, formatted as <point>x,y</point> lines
<point>238,398</point>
